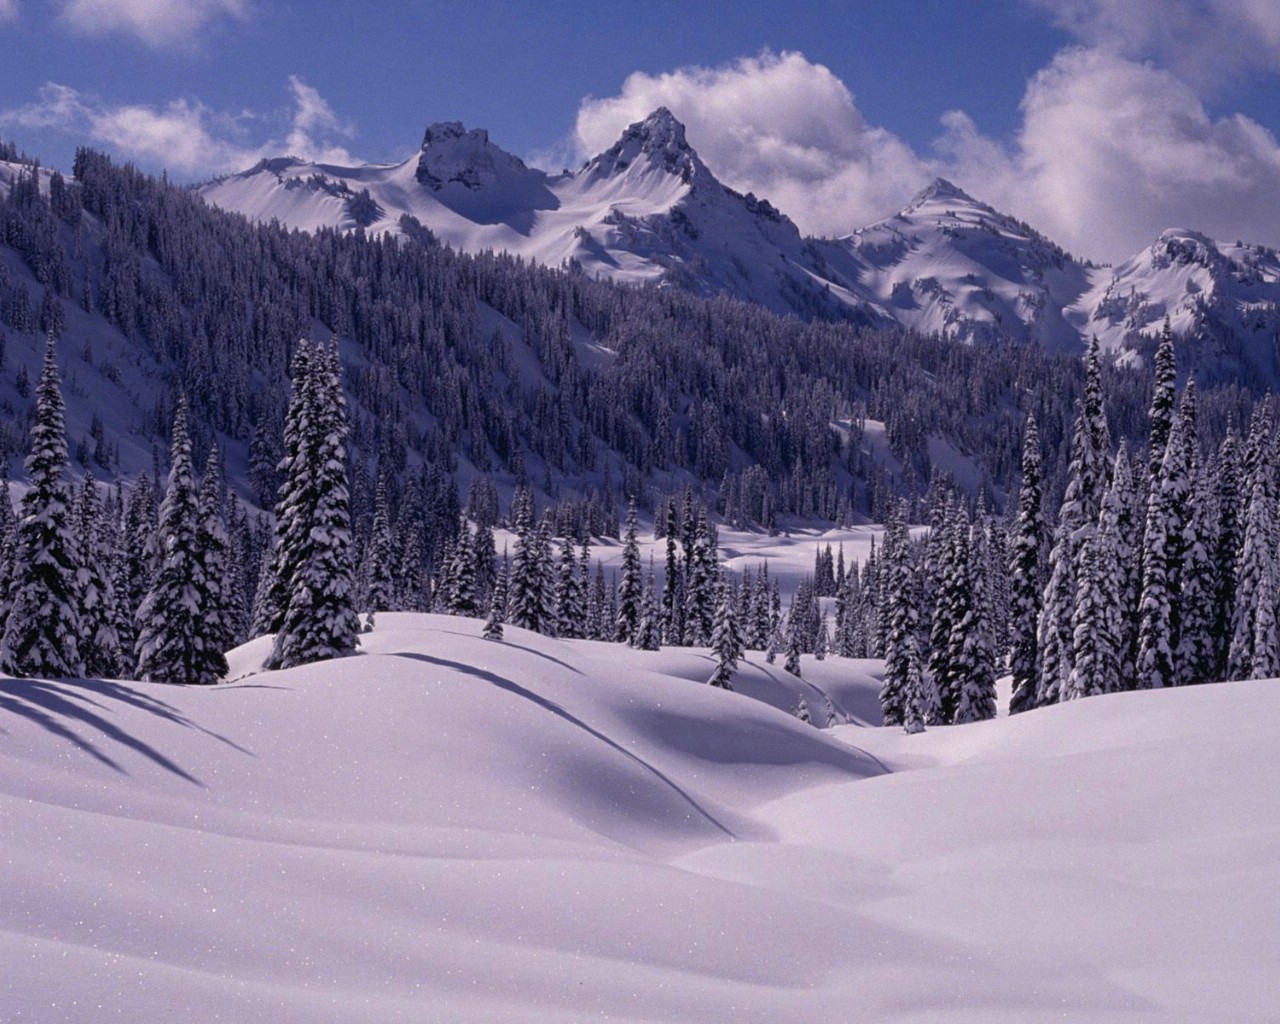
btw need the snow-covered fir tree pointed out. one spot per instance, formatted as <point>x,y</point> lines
<point>902,615</point>
<point>42,629</point>
<point>1026,572</point>
<point>727,642</point>
<point>99,642</point>
<point>319,619</point>
<point>173,643</point>
<point>498,603</point>
<point>649,629</point>
<point>631,583</point>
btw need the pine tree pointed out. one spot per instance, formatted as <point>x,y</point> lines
<point>1122,520</point>
<point>1230,540</point>
<point>913,716</point>
<point>1161,568</point>
<point>672,605</point>
<point>99,644</point>
<point>727,643</point>
<point>1265,663</point>
<point>213,556</point>
<point>319,619</point>
<point>649,630</point>
<point>1255,570</point>
<point>1055,636</point>
<point>8,541</point>
<point>172,644</point>
<point>1196,654</point>
<point>1163,400</point>
<point>902,615</point>
<point>380,583</point>
<point>1096,664</point>
<point>462,597</point>
<point>42,631</point>
<point>976,699</point>
<point>529,601</point>
<point>498,604</point>
<point>1027,575</point>
<point>631,585</point>
<point>794,628</point>
<point>570,600</point>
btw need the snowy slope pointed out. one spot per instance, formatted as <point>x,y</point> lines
<point>647,209</point>
<point>1224,296</point>
<point>447,829</point>
<point>949,264</point>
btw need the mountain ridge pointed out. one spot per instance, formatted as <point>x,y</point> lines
<point>648,210</point>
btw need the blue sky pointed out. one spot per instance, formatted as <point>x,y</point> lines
<point>1099,121</point>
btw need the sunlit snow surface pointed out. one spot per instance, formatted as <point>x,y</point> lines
<point>449,829</point>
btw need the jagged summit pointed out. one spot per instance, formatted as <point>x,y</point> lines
<point>451,154</point>
<point>657,141</point>
<point>940,190</point>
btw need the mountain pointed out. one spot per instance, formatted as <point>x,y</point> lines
<point>1223,298</point>
<point>951,265</point>
<point>649,210</point>
<point>645,210</point>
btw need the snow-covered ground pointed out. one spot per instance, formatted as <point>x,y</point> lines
<point>448,829</point>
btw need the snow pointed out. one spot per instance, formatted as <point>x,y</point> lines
<point>448,828</point>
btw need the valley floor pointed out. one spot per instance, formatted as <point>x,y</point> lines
<point>448,829</point>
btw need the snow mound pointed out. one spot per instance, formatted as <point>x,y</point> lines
<point>446,828</point>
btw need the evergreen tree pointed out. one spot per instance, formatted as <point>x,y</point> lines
<point>1163,400</point>
<point>529,601</point>
<point>462,597</point>
<point>42,631</point>
<point>1196,654</point>
<point>976,696</point>
<point>1230,540</point>
<point>1055,638</point>
<point>1265,663</point>
<point>1027,575</point>
<point>570,600</point>
<point>380,581</point>
<point>902,615</point>
<point>1096,664</point>
<point>649,629</point>
<point>319,620</point>
<point>1255,573</point>
<point>672,605</point>
<point>172,645</point>
<point>8,541</point>
<point>1122,520</point>
<point>99,644</point>
<point>727,643</point>
<point>498,604</point>
<point>914,700</point>
<point>631,586</point>
<point>792,662</point>
<point>213,555</point>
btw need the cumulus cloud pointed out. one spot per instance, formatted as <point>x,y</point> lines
<point>777,125</point>
<point>182,136</point>
<point>1204,42</point>
<point>158,23</point>
<point>1109,153</point>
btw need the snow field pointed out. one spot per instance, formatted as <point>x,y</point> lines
<point>448,829</point>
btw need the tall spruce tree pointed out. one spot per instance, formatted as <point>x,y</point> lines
<point>319,619</point>
<point>902,614</point>
<point>99,643</point>
<point>173,645</point>
<point>1027,575</point>
<point>42,631</point>
<point>727,643</point>
<point>631,584</point>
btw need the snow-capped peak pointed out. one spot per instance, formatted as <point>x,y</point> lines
<point>942,193</point>
<point>451,154</point>
<point>657,141</point>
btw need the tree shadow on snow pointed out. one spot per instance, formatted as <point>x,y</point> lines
<point>59,706</point>
<point>549,705</point>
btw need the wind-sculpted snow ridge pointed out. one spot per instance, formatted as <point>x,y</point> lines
<point>448,828</point>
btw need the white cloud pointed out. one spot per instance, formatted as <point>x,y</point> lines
<point>158,23</point>
<point>777,125</point>
<point>8,10</point>
<point>1110,151</point>
<point>1204,42</point>
<point>185,137</point>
